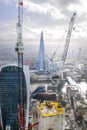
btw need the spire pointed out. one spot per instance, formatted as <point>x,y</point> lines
<point>41,56</point>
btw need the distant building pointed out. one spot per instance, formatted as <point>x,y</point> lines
<point>9,95</point>
<point>41,56</point>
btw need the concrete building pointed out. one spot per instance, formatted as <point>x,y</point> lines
<point>50,116</point>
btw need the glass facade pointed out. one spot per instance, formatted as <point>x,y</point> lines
<point>41,57</point>
<point>9,96</point>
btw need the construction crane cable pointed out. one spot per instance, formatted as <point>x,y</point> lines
<point>58,46</point>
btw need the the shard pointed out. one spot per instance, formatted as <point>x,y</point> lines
<point>41,56</point>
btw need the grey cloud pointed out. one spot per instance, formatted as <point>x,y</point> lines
<point>67,2</point>
<point>39,1</point>
<point>41,20</point>
<point>63,3</point>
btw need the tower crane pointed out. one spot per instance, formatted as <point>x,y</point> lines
<point>56,78</point>
<point>19,49</point>
<point>65,51</point>
<point>63,59</point>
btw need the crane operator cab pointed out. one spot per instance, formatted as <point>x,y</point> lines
<point>57,81</point>
<point>55,76</point>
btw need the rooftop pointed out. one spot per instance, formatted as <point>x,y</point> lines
<point>50,109</point>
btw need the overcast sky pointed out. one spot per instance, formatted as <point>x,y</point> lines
<point>51,16</point>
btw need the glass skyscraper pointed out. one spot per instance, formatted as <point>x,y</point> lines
<point>41,57</point>
<point>9,95</point>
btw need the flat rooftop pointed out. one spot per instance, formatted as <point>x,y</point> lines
<point>50,109</point>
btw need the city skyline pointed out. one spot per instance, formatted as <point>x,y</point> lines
<point>52,17</point>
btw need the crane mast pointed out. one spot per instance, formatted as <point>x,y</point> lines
<point>63,59</point>
<point>57,78</point>
<point>19,49</point>
<point>65,51</point>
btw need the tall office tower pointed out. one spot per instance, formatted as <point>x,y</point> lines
<point>41,57</point>
<point>9,96</point>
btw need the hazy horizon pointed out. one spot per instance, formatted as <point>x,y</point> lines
<point>31,47</point>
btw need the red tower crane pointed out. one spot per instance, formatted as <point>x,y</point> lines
<point>19,49</point>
